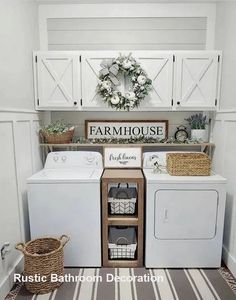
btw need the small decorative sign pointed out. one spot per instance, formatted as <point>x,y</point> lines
<point>116,157</point>
<point>96,129</point>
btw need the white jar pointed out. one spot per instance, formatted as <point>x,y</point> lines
<point>200,134</point>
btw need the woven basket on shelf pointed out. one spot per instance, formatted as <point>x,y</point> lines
<point>62,138</point>
<point>188,164</point>
<point>43,257</point>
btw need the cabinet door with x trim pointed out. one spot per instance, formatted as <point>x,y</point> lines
<point>58,80</point>
<point>196,79</point>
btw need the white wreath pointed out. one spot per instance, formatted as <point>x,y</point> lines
<point>109,79</point>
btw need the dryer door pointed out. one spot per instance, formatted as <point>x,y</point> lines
<point>185,214</point>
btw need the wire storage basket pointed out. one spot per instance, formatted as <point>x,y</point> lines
<point>122,242</point>
<point>43,257</point>
<point>188,164</point>
<point>122,200</point>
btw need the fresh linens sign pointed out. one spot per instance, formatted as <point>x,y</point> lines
<point>116,157</point>
<point>126,129</point>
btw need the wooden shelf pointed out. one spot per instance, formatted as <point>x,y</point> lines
<point>123,220</point>
<point>203,147</point>
<point>128,145</point>
<point>128,263</point>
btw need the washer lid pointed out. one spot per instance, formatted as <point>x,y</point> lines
<point>69,175</point>
<point>152,177</point>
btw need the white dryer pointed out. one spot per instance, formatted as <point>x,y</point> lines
<point>64,198</point>
<point>184,218</point>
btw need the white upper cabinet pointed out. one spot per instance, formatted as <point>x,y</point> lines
<point>159,68</point>
<point>91,66</point>
<point>181,80</point>
<point>196,79</point>
<point>57,80</point>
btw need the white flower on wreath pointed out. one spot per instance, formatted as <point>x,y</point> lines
<point>131,103</point>
<point>142,79</point>
<point>127,64</point>
<point>115,99</point>
<point>106,84</point>
<point>130,96</point>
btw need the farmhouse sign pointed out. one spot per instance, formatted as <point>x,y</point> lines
<point>116,157</point>
<point>126,129</point>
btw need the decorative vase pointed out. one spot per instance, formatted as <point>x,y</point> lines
<point>200,134</point>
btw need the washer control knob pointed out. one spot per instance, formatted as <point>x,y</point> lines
<point>90,159</point>
<point>55,158</point>
<point>63,158</point>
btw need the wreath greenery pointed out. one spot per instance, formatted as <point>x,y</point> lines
<point>109,79</point>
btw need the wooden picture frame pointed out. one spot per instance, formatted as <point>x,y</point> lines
<point>164,123</point>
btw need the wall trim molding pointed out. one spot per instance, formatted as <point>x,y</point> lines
<point>226,111</point>
<point>229,260</point>
<point>17,119</point>
<point>8,281</point>
<point>131,10</point>
<point>17,110</point>
<point>226,117</point>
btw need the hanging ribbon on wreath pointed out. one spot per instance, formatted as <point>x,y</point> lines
<point>110,70</point>
<point>109,80</point>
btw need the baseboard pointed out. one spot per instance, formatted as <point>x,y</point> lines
<point>229,260</point>
<point>7,282</point>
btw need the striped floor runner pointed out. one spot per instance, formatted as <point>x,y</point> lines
<point>170,284</point>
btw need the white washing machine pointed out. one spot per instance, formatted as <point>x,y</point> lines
<point>184,218</point>
<point>64,198</point>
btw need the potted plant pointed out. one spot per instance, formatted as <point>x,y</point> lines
<point>198,124</point>
<point>57,132</point>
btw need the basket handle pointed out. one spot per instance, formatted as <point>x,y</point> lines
<point>120,184</point>
<point>64,239</point>
<point>122,194</point>
<point>122,238</point>
<point>20,247</point>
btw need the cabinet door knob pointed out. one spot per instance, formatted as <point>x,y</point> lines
<point>75,103</point>
<point>178,102</point>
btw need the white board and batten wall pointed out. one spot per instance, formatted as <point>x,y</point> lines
<point>19,145</point>
<point>225,125</point>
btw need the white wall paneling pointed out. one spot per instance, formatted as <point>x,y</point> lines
<point>225,164</point>
<point>127,33</point>
<point>225,25</point>
<point>20,157</point>
<point>126,26</point>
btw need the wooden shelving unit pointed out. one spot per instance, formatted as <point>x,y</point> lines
<point>123,176</point>
<point>203,147</point>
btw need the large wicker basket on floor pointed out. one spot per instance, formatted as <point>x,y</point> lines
<point>188,164</point>
<point>43,257</point>
<point>62,138</point>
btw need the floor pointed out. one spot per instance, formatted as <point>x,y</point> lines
<point>170,284</point>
